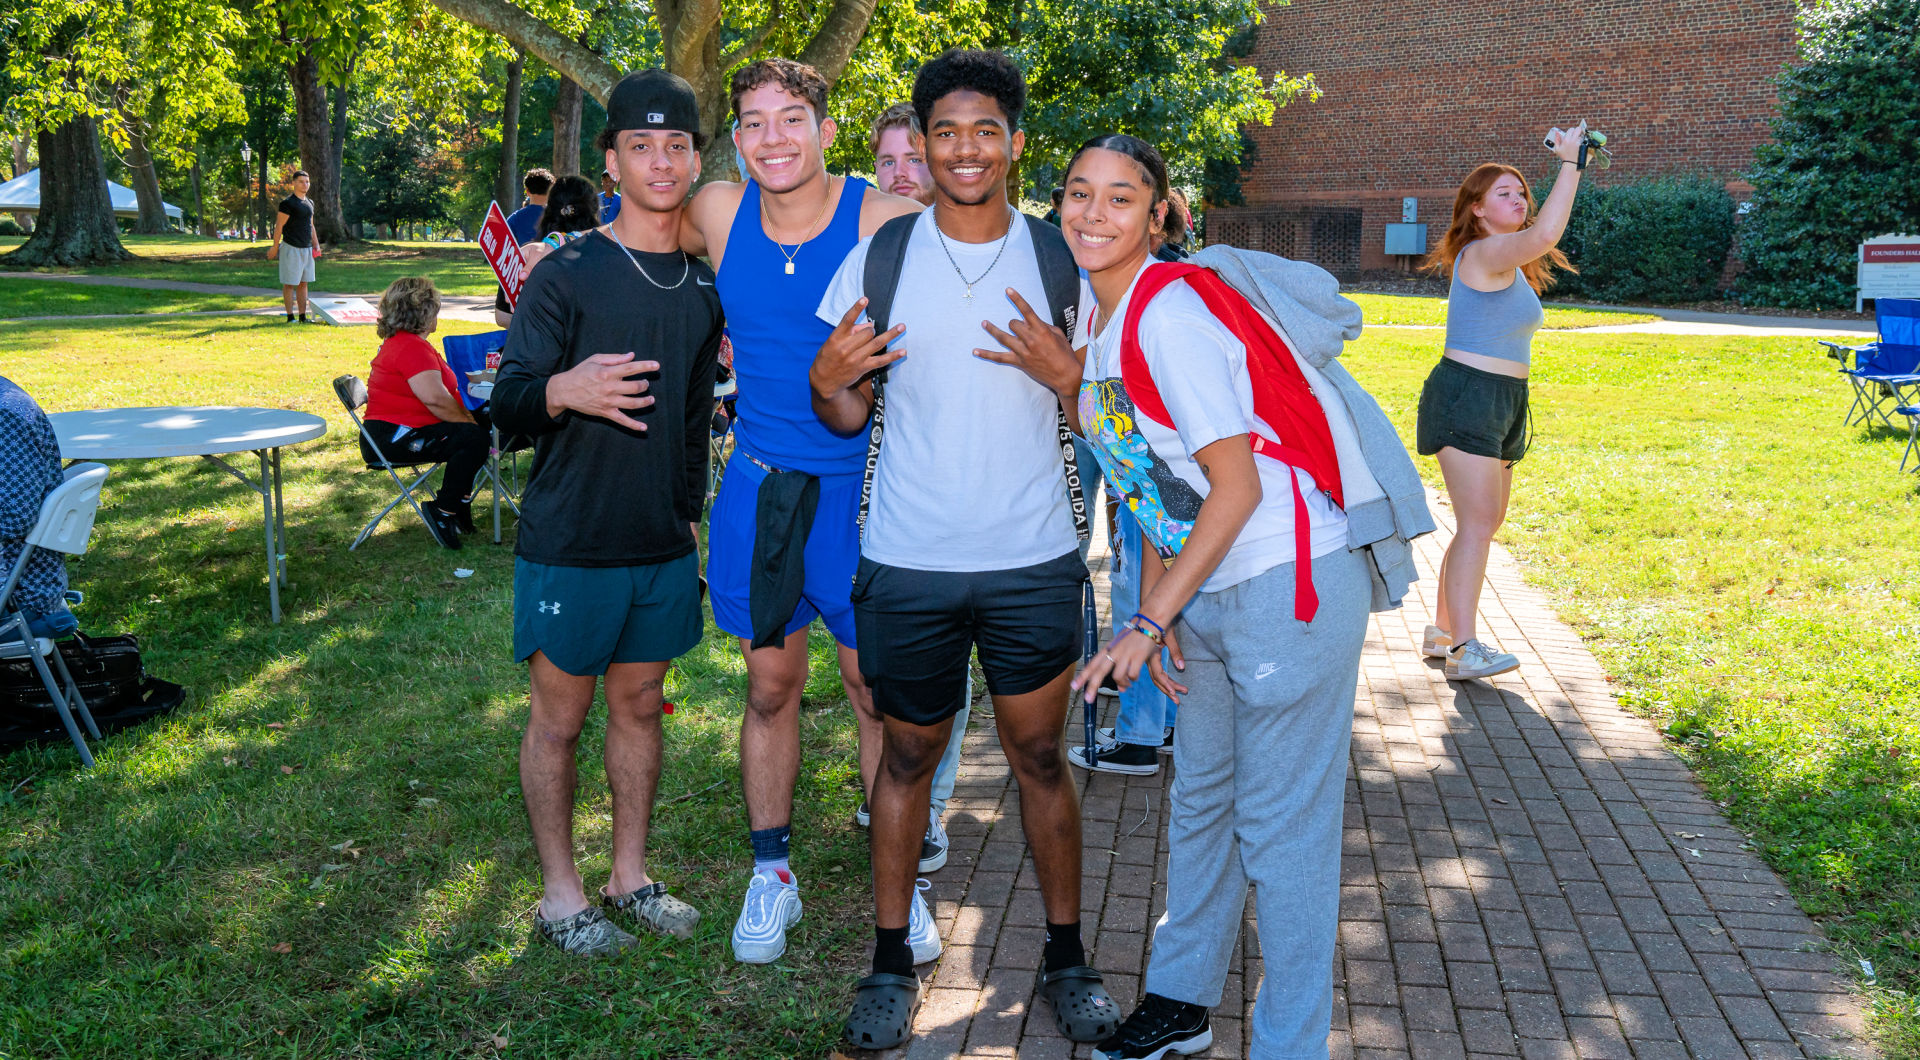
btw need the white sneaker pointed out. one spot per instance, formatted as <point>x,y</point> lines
<point>1435,643</point>
<point>772,906</point>
<point>1475,659</point>
<point>920,931</point>
<point>933,845</point>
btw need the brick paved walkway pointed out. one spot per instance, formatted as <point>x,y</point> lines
<point>1528,872</point>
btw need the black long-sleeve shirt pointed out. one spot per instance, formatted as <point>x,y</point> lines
<point>602,495</point>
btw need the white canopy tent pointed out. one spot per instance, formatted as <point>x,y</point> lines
<point>22,195</point>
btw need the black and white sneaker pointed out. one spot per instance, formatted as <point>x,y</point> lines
<point>1110,735</point>
<point>863,817</point>
<point>1160,1027</point>
<point>1133,759</point>
<point>933,845</point>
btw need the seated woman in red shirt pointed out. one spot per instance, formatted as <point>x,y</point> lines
<point>413,407</point>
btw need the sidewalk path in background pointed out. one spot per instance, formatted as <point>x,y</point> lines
<point>1529,873</point>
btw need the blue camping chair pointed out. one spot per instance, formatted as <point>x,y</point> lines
<point>468,353</point>
<point>1884,373</point>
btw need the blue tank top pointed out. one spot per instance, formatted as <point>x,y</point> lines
<point>770,317</point>
<point>1493,323</point>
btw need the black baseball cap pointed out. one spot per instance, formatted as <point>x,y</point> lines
<point>654,99</point>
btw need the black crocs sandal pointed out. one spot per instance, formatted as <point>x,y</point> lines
<point>883,1008</point>
<point>1082,1010</point>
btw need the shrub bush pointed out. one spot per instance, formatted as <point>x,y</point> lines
<point>1660,240</point>
<point>9,228</point>
<point>1844,163</point>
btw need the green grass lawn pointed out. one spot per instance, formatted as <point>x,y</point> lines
<point>1742,565</point>
<point>360,268</point>
<point>144,904</point>
<point>1737,560</point>
<point>33,298</point>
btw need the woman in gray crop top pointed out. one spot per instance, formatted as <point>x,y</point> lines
<point>1473,409</point>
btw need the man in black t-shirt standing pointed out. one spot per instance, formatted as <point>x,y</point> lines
<point>294,245</point>
<point>609,365</point>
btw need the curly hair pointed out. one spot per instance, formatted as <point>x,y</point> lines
<point>799,79</point>
<point>538,181</point>
<point>970,69</point>
<point>898,116</point>
<point>409,303</point>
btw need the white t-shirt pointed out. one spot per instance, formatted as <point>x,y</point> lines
<point>1200,369</point>
<point>970,476</point>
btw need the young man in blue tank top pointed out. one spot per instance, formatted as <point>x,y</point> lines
<point>782,536</point>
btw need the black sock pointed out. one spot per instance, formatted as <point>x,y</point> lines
<point>303,318</point>
<point>1063,947</point>
<point>289,318</point>
<point>891,954</point>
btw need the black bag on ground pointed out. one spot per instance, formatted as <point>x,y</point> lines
<point>107,669</point>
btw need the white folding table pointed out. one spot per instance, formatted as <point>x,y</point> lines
<point>206,431</point>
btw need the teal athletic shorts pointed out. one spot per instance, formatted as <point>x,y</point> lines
<point>587,618</point>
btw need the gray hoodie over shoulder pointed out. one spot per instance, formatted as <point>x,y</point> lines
<point>1386,503</point>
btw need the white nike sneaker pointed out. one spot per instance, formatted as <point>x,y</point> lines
<point>920,931</point>
<point>1435,643</point>
<point>771,907</point>
<point>1476,659</point>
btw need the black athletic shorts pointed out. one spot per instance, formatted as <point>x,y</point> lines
<point>1474,411</point>
<point>917,630</point>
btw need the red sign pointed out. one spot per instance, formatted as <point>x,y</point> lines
<point>503,254</point>
<point>1890,253</point>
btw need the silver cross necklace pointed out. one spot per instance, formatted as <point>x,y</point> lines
<point>1012,216</point>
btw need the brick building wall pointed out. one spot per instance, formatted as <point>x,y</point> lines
<point>1418,92</point>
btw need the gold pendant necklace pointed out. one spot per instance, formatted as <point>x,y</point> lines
<point>816,221</point>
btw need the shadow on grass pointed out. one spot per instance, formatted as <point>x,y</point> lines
<point>325,852</point>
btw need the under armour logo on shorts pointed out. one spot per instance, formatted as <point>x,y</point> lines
<point>549,608</point>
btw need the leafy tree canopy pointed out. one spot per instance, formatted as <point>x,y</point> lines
<point>1845,161</point>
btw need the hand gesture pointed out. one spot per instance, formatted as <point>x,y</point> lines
<point>852,353</point>
<point>606,385</point>
<point>1565,143</point>
<point>1123,657</point>
<point>1036,347</point>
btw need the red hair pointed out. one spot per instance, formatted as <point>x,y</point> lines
<point>1467,227</point>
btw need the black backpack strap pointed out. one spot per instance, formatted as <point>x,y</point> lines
<point>1060,277</point>
<point>886,257</point>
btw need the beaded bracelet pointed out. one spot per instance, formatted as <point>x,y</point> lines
<point>1153,635</point>
<point>1140,616</point>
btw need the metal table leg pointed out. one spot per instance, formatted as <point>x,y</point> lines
<point>279,521</point>
<point>267,515</point>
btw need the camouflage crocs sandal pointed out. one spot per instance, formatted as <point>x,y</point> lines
<point>653,908</point>
<point>587,933</point>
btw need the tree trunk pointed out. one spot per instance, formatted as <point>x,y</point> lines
<point>316,147</point>
<point>566,128</point>
<point>24,220</point>
<point>200,223</point>
<point>146,180</point>
<point>337,130</point>
<point>507,191</point>
<point>76,216</point>
<point>690,38</point>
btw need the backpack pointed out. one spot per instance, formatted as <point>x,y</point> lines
<point>886,258</point>
<point>1282,398</point>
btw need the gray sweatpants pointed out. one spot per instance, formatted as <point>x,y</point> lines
<point>1260,760</point>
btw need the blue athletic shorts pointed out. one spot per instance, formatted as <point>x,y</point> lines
<point>588,618</point>
<point>831,555</point>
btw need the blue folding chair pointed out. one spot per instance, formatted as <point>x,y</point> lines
<point>465,354</point>
<point>1884,373</point>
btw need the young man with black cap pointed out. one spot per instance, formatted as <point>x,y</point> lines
<point>1000,571</point>
<point>609,365</point>
<point>781,538</point>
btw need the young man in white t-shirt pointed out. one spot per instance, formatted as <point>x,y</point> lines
<point>970,539</point>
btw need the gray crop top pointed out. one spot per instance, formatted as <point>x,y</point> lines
<point>1493,323</point>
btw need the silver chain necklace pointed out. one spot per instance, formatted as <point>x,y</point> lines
<point>686,263</point>
<point>956,265</point>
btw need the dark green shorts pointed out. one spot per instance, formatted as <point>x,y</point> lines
<point>1476,412</point>
<point>588,618</point>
